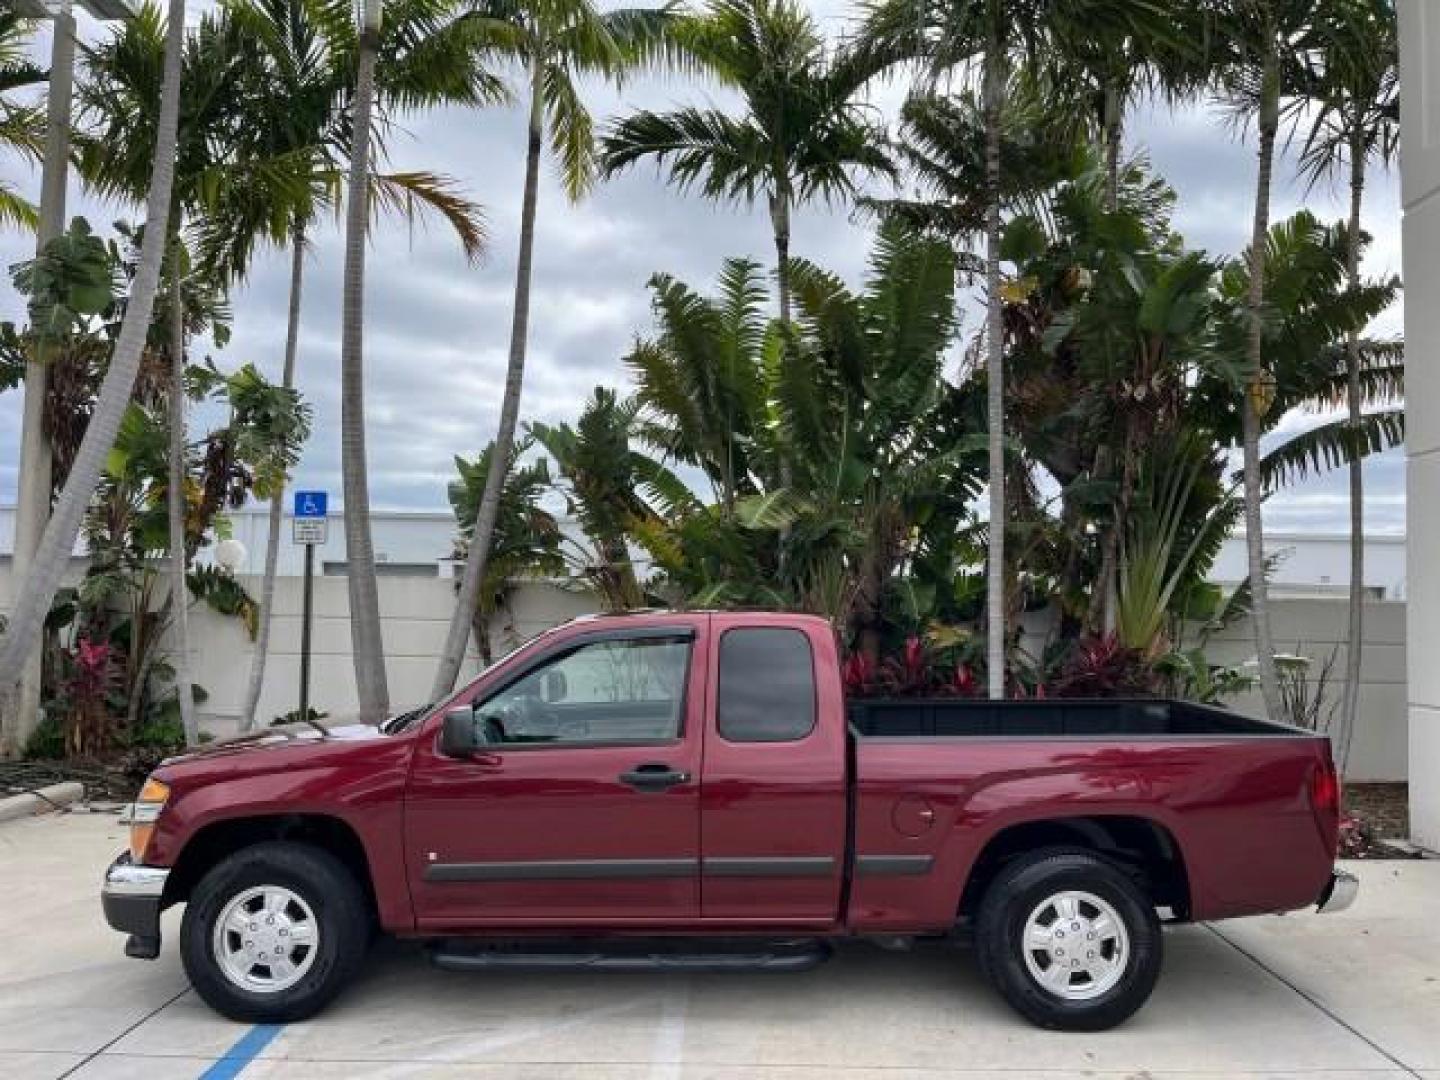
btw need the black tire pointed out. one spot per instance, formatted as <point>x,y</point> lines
<point>1006,907</point>
<point>340,911</point>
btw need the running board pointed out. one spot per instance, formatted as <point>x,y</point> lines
<point>620,955</point>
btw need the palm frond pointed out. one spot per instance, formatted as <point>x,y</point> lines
<point>1328,446</point>
<point>412,195</point>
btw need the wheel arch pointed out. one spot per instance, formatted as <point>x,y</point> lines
<point>217,840</point>
<point>1141,846</point>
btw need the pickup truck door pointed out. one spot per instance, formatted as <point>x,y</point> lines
<point>583,806</point>
<point>773,802</point>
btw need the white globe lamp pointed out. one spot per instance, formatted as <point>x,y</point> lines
<point>230,555</point>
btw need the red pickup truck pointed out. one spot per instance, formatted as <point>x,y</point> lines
<point>692,791</point>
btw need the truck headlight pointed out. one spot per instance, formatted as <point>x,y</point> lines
<point>142,815</point>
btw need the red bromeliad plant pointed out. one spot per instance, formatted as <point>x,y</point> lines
<point>916,671</point>
<point>1098,667</point>
<point>92,678</point>
<point>1103,667</point>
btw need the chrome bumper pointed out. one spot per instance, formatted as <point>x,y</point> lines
<point>132,896</point>
<point>1339,894</point>
<point>126,878</point>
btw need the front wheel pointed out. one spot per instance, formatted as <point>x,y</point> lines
<point>272,933</point>
<point>1069,940</point>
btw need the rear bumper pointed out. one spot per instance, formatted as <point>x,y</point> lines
<point>1339,892</point>
<point>132,897</point>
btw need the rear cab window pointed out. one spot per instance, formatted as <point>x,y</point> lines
<point>766,685</point>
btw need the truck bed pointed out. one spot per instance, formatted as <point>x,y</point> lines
<point>1056,717</point>
<point>939,779</point>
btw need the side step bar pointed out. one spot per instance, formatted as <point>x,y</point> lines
<point>620,955</point>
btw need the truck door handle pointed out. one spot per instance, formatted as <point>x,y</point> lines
<point>653,776</point>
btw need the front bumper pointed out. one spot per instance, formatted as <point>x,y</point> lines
<point>132,897</point>
<point>1339,892</point>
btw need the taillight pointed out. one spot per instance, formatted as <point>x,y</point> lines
<point>1325,789</point>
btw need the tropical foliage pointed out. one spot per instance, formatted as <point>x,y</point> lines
<point>110,672</point>
<point>1031,504</point>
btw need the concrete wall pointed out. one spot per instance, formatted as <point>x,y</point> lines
<point>1420,195</point>
<point>415,612</point>
<point>1315,628</point>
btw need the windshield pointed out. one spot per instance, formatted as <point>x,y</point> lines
<point>402,721</point>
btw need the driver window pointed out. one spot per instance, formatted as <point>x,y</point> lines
<point>603,692</point>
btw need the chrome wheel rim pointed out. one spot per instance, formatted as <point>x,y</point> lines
<point>1075,945</point>
<point>266,939</point>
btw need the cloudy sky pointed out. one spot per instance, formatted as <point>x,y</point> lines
<point>437,328</point>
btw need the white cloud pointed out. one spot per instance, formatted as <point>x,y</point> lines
<point>438,328</point>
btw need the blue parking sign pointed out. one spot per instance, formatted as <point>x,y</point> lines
<point>310,504</point>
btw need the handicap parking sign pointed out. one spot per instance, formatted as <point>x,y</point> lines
<point>310,504</point>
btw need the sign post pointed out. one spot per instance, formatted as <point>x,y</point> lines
<point>309,527</point>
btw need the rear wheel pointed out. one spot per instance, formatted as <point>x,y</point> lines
<point>1069,940</point>
<point>274,932</point>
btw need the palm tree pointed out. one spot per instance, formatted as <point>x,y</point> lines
<point>1261,42</point>
<point>366,643</point>
<point>309,49</point>
<point>37,591</point>
<point>1356,99</point>
<point>220,75</point>
<point>1116,54</point>
<point>22,127</point>
<point>993,35</point>
<point>527,539</point>
<point>556,45</point>
<point>804,133</point>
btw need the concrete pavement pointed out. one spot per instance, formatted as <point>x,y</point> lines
<point>1355,995</point>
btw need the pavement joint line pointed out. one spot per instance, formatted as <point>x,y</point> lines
<point>144,1019</point>
<point>1315,1002</point>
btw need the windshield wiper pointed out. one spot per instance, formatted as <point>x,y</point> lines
<point>307,718</point>
<point>400,721</point>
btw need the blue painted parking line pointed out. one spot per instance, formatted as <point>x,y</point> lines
<point>245,1050</point>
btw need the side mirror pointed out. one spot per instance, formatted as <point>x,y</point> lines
<point>556,687</point>
<point>458,737</point>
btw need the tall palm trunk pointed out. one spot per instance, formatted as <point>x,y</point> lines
<point>1355,635</point>
<point>32,506</point>
<point>1114,126</point>
<point>52,555</point>
<point>366,642</point>
<point>176,503</point>
<point>277,500</point>
<point>458,635</point>
<point>995,375</point>
<point>780,221</point>
<point>1269,123</point>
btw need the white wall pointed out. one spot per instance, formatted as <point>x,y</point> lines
<point>1313,628</point>
<point>415,613</point>
<point>1420,194</point>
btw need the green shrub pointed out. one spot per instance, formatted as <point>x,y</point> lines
<point>47,741</point>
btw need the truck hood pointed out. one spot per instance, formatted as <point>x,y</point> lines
<point>273,738</point>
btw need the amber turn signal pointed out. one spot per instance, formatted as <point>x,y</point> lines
<point>142,816</point>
